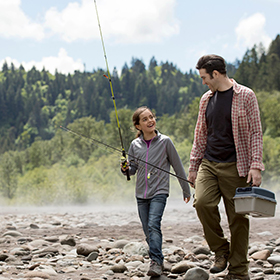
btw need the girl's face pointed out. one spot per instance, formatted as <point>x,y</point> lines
<point>147,122</point>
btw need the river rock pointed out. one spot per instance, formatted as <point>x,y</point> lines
<point>120,243</point>
<point>108,247</point>
<point>202,250</point>
<point>69,240</point>
<point>274,259</point>
<point>119,268</point>
<point>261,255</point>
<point>12,233</point>
<point>37,274</point>
<point>92,256</point>
<point>182,267</point>
<point>3,257</point>
<point>85,249</point>
<point>135,248</point>
<point>196,273</point>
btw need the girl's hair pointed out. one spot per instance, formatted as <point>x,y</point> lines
<point>136,118</point>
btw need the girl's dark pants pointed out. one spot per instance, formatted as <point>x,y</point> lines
<point>150,212</point>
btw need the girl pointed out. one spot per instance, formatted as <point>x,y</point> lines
<point>152,185</point>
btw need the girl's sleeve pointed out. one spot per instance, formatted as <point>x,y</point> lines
<point>133,164</point>
<point>178,167</point>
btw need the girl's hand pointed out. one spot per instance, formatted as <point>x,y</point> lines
<point>126,167</point>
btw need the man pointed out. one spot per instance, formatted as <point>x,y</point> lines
<point>226,154</point>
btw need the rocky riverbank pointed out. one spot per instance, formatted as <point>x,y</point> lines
<point>82,243</point>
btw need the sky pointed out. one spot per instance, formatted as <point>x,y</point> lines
<point>64,35</point>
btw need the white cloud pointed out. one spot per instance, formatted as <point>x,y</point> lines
<point>274,1</point>
<point>251,31</point>
<point>124,21</point>
<point>62,63</point>
<point>14,23</point>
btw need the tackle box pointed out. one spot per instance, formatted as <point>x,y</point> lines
<point>255,201</point>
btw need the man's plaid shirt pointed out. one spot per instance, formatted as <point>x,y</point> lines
<point>246,128</point>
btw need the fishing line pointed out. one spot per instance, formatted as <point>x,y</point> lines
<point>123,159</point>
<point>92,140</point>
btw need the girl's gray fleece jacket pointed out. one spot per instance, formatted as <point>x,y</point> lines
<point>161,153</point>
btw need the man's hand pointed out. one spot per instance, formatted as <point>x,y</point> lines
<point>255,176</point>
<point>192,177</point>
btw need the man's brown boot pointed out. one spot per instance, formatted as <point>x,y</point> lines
<point>220,264</point>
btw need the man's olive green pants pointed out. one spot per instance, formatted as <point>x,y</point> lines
<point>215,180</point>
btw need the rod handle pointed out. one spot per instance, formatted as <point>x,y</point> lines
<point>124,165</point>
<point>127,175</point>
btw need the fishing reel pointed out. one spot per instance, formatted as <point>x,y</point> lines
<point>124,164</point>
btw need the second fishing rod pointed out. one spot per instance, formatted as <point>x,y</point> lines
<point>92,140</point>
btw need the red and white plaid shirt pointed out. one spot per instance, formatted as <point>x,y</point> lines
<point>246,128</point>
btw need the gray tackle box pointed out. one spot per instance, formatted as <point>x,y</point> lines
<point>255,201</point>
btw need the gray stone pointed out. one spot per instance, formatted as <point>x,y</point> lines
<point>274,259</point>
<point>255,270</point>
<point>69,240</point>
<point>182,267</point>
<point>52,239</point>
<point>38,243</point>
<point>201,250</point>
<point>20,251</point>
<point>135,248</point>
<point>12,233</point>
<point>119,268</point>
<point>277,270</point>
<point>46,269</point>
<point>277,242</point>
<point>85,249</point>
<point>120,243</point>
<point>3,257</point>
<point>253,250</point>
<point>37,274</point>
<point>196,273</point>
<point>34,226</point>
<point>92,256</point>
<point>268,271</point>
<point>259,276</point>
<point>47,251</point>
<point>265,233</point>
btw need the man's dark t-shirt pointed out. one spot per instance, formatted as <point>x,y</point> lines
<point>220,143</point>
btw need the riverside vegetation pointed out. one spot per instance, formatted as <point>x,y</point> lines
<point>41,164</point>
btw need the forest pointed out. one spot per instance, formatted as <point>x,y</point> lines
<point>41,164</point>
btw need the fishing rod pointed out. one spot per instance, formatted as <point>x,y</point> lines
<point>118,150</point>
<point>123,158</point>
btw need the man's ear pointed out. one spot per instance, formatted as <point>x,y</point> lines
<point>215,73</point>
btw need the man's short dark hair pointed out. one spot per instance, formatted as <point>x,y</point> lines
<point>212,62</point>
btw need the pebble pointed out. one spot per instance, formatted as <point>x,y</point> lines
<point>196,273</point>
<point>64,246</point>
<point>261,255</point>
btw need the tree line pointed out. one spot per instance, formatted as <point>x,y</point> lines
<point>41,163</point>
<point>34,103</point>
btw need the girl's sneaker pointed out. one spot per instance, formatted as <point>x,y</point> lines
<point>155,269</point>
